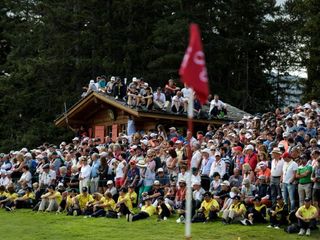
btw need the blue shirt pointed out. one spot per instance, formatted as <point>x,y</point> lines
<point>95,169</point>
<point>207,166</point>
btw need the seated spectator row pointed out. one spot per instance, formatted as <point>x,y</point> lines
<point>170,98</point>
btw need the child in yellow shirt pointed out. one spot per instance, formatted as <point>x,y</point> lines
<point>147,210</point>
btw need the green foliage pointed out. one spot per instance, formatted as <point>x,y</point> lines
<point>305,22</point>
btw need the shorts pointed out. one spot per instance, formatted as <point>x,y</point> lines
<point>316,195</point>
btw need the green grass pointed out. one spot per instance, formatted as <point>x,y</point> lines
<point>24,224</point>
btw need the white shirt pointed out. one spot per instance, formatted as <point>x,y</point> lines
<point>195,160</point>
<point>184,177</point>
<point>85,172</point>
<point>219,167</point>
<point>4,181</point>
<point>186,92</point>
<point>47,178</point>
<point>219,104</point>
<point>177,99</point>
<point>119,170</point>
<point>276,167</point>
<point>198,194</point>
<point>288,170</point>
<point>26,176</point>
<point>159,97</point>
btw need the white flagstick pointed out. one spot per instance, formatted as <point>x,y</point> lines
<point>189,190</point>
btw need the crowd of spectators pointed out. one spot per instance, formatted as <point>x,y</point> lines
<point>262,169</point>
<point>139,94</point>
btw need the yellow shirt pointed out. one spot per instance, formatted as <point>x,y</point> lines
<point>3,194</point>
<point>110,204</point>
<point>69,201</point>
<point>307,213</point>
<point>148,209</point>
<point>58,196</point>
<point>83,200</point>
<point>12,196</point>
<point>133,197</point>
<point>207,206</point>
<point>29,195</point>
<point>238,208</point>
<point>127,201</point>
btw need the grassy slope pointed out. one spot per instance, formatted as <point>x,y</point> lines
<point>24,224</point>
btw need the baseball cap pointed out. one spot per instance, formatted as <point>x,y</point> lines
<point>109,182</point>
<point>84,189</point>
<point>160,170</point>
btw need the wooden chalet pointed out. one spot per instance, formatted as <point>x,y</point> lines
<point>104,116</point>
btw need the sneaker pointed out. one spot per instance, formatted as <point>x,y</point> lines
<point>244,222</point>
<point>165,218</point>
<point>301,232</point>
<point>249,222</point>
<point>178,220</point>
<point>119,215</point>
<point>224,221</point>
<point>8,208</point>
<point>308,232</point>
<point>270,226</point>
<point>130,217</point>
<point>127,217</point>
<point>75,213</point>
<point>276,227</point>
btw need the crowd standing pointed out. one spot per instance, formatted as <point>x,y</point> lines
<point>262,169</point>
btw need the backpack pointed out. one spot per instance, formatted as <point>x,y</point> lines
<point>292,228</point>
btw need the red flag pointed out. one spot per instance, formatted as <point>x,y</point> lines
<point>193,69</point>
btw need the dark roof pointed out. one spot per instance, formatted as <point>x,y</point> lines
<point>234,114</point>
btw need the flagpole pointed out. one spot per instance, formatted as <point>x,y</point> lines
<point>189,189</point>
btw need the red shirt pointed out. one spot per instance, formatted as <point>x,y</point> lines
<point>252,160</point>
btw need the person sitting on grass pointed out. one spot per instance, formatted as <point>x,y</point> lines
<point>94,205</point>
<point>66,202</point>
<point>164,209</point>
<point>307,216</point>
<point>9,199</point>
<point>50,201</point>
<point>278,214</point>
<point>147,210</point>
<point>79,203</point>
<point>26,201</point>
<point>208,209</point>
<point>235,213</point>
<point>105,207</point>
<point>3,194</point>
<point>124,204</point>
<point>132,195</point>
<point>256,213</point>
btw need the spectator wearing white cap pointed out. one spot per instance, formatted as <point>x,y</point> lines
<point>197,194</point>
<point>163,178</point>
<point>250,156</point>
<point>92,87</point>
<point>172,133</point>
<point>276,173</point>
<point>218,165</point>
<point>206,163</point>
<point>84,176</point>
